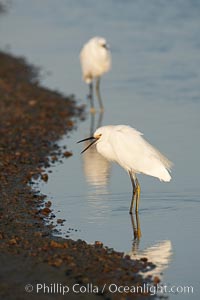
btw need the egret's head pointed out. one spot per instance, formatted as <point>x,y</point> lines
<point>101,43</point>
<point>101,133</point>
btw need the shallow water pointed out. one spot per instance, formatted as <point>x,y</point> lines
<point>154,87</point>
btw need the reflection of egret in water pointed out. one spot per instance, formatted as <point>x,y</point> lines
<point>159,254</point>
<point>96,170</point>
<point>96,167</point>
<point>92,122</point>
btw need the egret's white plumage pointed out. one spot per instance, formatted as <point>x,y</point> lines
<point>126,146</point>
<point>95,60</point>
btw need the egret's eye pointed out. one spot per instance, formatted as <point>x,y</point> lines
<point>104,46</point>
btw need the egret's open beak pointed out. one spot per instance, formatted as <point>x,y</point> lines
<point>87,139</point>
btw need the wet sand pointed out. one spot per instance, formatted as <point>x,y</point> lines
<point>32,119</point>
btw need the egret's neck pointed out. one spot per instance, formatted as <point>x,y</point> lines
<point>105,149</point>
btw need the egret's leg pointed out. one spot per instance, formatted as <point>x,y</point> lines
<point>90,96</point>
<point>136,227</point>
<point>100,119</point>
<point>133,195</point>
<point>90,90</point>
<point>139,233</point>
<point>98,94</point>
<point>92,124</point>
<point>137,193</point>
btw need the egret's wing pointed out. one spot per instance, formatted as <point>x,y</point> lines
<point>86,63</point>
<point>137,155</point>
<point>126,144</point>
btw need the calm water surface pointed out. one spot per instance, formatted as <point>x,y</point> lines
<point>154,86</point>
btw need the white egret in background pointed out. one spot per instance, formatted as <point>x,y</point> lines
<point>95,60</point>
<point>126,146</point>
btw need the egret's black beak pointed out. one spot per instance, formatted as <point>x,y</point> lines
<point>87,139</point>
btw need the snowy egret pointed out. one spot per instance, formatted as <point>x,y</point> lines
<point>95,60</point>
<point>126,146</point>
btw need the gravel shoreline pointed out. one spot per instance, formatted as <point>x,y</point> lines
<point>32,119</point>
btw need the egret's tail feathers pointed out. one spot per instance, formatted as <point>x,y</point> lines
<point>166,169</point>
<point>160,172</point>
<point>165,165</point>
<point>165,176</point>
